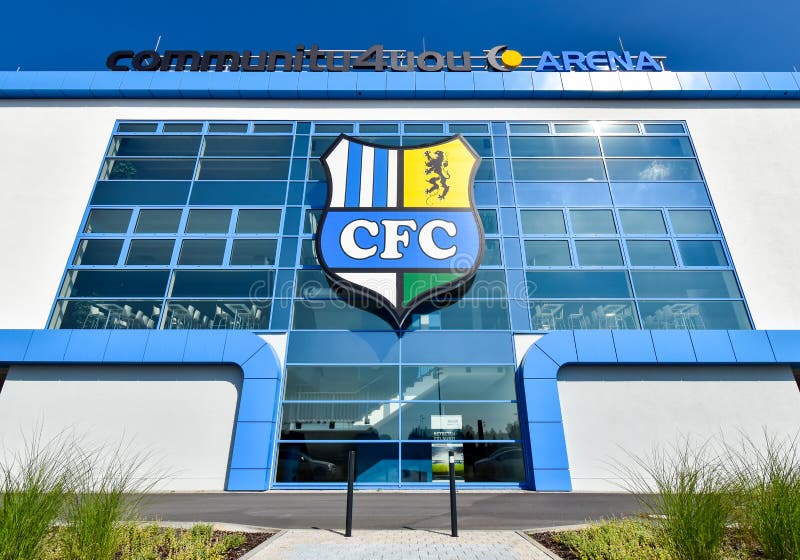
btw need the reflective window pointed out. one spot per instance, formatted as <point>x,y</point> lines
<point>372,128</point>
<point>481,144</point>
<point>115,283</point>
<point>202,251</point>
<point>214,314</point>
<point>650,253</point>
<point>702,253</point>
<point>664,128</point>
<point>227,127</point>
<point>313,284</point>
<point>539,222</point>
<point>102,314</point>
<point>558,170</point>
<point>208,221</point>
<point>327,462</point>
<point>653,170</point>
<point>308,253</point>
<point>423,128</point>
<point>474,462</point>
<point>529,128</point>
<point>98,252</point>
<point>465,128</point>
<point>256,284</point>
<point>554,146</point>
<point>642,221</point>
<point>239,146</point>
<point>313,217</point>
<point>244,169</point>
<point>458,383</point>
<point>150,252</point>
<point>488,219</point>
<point>108,221</point>
<point>146,169</point>
<point>258,221</point>
<point>137,127</point>
<point>492,255</point>
<point>574,128</point>
<point>158,221</point>
<point>489,315</point>
<point>692,221</point>
<point>254,252</point>
<point>685,284</point>
<point>592,221</point>
<point>604,252</point>
<point>333,128</point>
<point>476,421</point>
<point>647,146</point>
<point>547,253</point>
<point>266,128</point>
<point>154,146</point>
<point>578,284</point>
<point>183,127</point>
<point>549,315</point>
<point>341,383</point>
<point>336,315</point>
<point>692,315</point>
<point>616,128</point>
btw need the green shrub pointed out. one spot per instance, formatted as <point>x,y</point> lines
<point>198,543</point>
<point>35,486</point>
<point>624,539</point>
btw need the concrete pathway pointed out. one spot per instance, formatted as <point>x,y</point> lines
<point>321,544</point>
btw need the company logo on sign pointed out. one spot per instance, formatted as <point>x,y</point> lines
<point>400,226</point>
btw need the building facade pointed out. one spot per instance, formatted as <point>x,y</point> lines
<point>162,283</point>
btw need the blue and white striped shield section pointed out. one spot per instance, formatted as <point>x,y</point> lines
<point>400,224</point>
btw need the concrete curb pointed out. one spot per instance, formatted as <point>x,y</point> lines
<point>539,546</point>
<point>257,550</point>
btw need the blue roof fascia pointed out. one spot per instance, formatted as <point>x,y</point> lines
<point>399,85</point>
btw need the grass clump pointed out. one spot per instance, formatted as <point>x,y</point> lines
<point>618,539</point>
<point>152,542</point>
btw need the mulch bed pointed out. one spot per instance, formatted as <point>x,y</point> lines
<point>253,540</point>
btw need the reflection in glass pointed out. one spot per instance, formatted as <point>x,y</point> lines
<point>578,284</point>
<point>685,284</point>
<point>488,219</point>
<point>702,253</point>
<point>254,252</point>
<point>202,251</point>
<point>239,146</point>
<point>341,383</point>
<point>604,252</point>
<point>311,221</point>
<point>340,420</point>
<point>327,462</point>
<point>258,221</point>
<point>458,420</point>
<point>540,222</point>
<point>650,253</point>
<point>642,222</point>
<point>547,253</point>
<point>115,283</point>
<point>653,170</point>
<point>208,221</point>
<point>121,314</point>
<point>559,315</point>
<point>253,284</point>
<point>154,146</point>
<point>158,221</point>
<point>554,146</point>
<point>150,252</point>
<point>211,314</point>
<point>458,383</point>
<point>464,314</point>
<point>558,170</point>
<point>592,221</point>
<point>108,221</point>
<point>243,169</point>
<point>692,221</point>
<point>475,462</point>
<point>98,252</point>
<point>694,315</point>
<point>148,169</point>
<point>647,146</point>
<point>491,254</point>
<point>529,128</point>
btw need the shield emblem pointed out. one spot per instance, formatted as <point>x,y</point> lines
<point>400,225</point>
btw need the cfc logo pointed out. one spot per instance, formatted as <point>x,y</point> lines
<point>400,225</point>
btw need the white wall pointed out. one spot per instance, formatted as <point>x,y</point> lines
<point>182,418</point>
<point>616,412</point>
<point>50,153</point>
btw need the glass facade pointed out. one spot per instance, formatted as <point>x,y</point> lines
<point>210,225</point>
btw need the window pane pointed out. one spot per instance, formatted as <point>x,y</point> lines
<point>248,146</point>
<point>464,315</point>
<point>336,128</point>
<point>108,221</point>
<point>685,284</point>
<point>154,146</point>
<point>141,193</point>
<point>150,252</point>
<point>234,193</point>
<point>664,128</point>
<point>340,420</point>
<point>327,462</point>
<point>377,128</point>
<point>558,170</point>
<point>98,251</point>
<point>529,128</point>
<point>137,127</point>
<point>481,144</point>
<point>702,253</point>
<point>554,146</point>
<point>321,143</point>
<point>227,127</point>
<point>335,315</point>
<point>492,255</point>
<point>158,221</point>
<point>208,221</point>
<point>147,169</point>
<point>577,128</point>
<point>489,420</point>
<point>423,128</point>
<point>313,284</point>
<point>183,127</point>
<point>694,315</point>
<point>578,284</point>
<point>642,221</point>
<point>272,127</point>
<point>598,253</point>
<point>458,383</point>
<point>469,128</point>
<point>244,169</point>
<point>482,462</point>
<point>113,283</point>
<point>489,220</point>
<point>205,314</point>
<point>647,146</point>
<point>592,221</point>
<point>542,221</point>
<point>312,221</point>
<point>202,251</point>
<point>254,252</point>
<point>485,171</point>
<point>617,128</point>
<point>653,170</point>
<point>258,221</point>
<point>341,383</point>
<point>547,253</point>
<point>254,284</point>
<point>692,221</point>
<point>124,314</point>
<point>558,315</point>
<point>308,253</point>
<point>315,171</point>
<point>650,253</point>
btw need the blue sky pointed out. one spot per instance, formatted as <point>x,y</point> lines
<point>693,34</point>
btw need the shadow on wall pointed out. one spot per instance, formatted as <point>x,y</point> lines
<point>3,373</point>
<point>796,373</point>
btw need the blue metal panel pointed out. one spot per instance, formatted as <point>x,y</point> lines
<point>47,84</point>
<point>262,365</point>
<point>75,84</point>
<point>547,84</point>
<point>165,346</point>
<point>712,347</point>
<point>541,400</point>
<point>18,84</point>
<point>281,314</point>
<point>400,85</point>
<point>723,84</point>
<point>204,347</point>
<point>459,85</point>
<point>508,221</point>
<point>225,85</point>
<point>781,84</point>
<point>282,85</point>
<point>429,85</point>
<point>548,447</point>
<point>251,445</point>
<point>512,252</point>
<point>247,480</point>
<point>552,480</point>
<point>635,84</point>
<point>4,76</point>
<point>314,85</point>
<point>341,85</point>
<point>634,347</point>
<point>240,347</point>
<point>751,346</point>
<point>488,84</point>
<point>126,347</point>
<point>562,194</point>
<point>309,347</point>
<point>165,84</point>
<point>519,311</point>
<point>606,84</point>
<point>785,346</point>
<point>576,84</point>
<point>538,365</point>
<point>664,84</point>
<point>442,347</point>
<point>48,346</point>
<point>517,84</point>
<point>595,347</point>
<point>14,345</point>
<point>257,403</point>
<point>694,84</point>
<point>255,85</point>
<point>660,194</point>
<point>371,85</point>
<point>195,84</point>
<point>137,85</point>
<point>505,193</point>
<point>753,84</point>
<point>560,346</point>
<point>673,346</point>
<point>87,346</point>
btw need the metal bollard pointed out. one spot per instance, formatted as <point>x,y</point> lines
<point>453,511</point>
<point>351,477</point>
